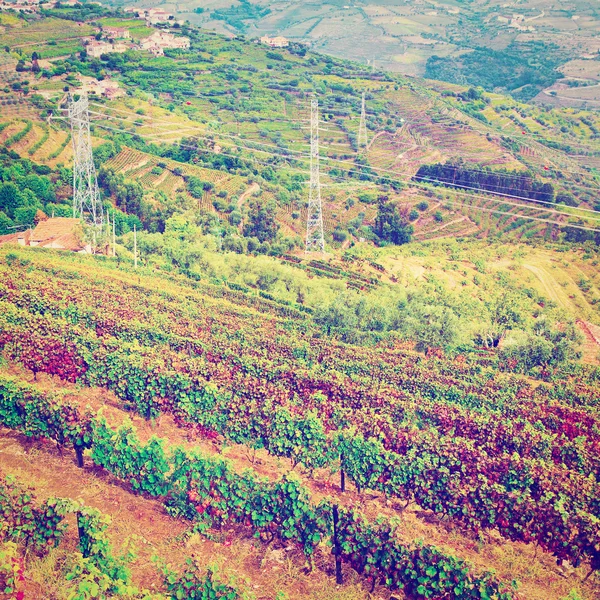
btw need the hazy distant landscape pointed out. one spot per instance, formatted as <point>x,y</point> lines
<point>533,43</point>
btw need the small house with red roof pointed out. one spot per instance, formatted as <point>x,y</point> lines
<point>61,233</point>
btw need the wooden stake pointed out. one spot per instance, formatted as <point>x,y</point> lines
<point>339,578</point>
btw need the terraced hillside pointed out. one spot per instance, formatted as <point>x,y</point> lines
<point>403,36</point>
<point>242,124</point>
<point>215,379</point>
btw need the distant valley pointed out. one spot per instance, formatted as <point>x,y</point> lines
<point>543,50</point>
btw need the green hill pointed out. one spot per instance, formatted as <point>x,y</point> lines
<point>233,105</point>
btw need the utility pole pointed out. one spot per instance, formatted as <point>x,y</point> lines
<point>315,241</point>
<point>114,238</point>
<point>363,138</point>
<point>134,247</point>
<point>86,198</point>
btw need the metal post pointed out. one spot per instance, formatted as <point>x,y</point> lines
<point>86,197</point>
<point>315,241</point>
<point>362,128</point>
<point>337,551</point>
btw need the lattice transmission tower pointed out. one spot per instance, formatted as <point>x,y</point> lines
<point>315,240</point>
<point>86,197</point>
<point>363,138</point>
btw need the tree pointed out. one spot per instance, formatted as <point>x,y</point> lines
<point>261,222</point>
<point>433,326</point>
<point>41,186</point>
<point>235,217</point>
<point>10,198</point>
<point>104,152</point>
<point>180,242</point>
<point>549,344</point>
<point>5,224</point>
<point>566,198</point>
<point>25,215</point>
<point>389,225</point>
<point>340,317</point>
<point>196,187</point>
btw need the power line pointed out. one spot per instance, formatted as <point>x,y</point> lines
<point>455,123</point>
<point>390,171</point>
<point>525,217</point>
<point>236,139</point>
<point>202,150</point>
<point>346,162</point>
<point>415,184</point>
<point>470,196</point>
<point>291,151</point>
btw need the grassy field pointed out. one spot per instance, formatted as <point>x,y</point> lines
<point>41,32</point>
<point>137,27</point>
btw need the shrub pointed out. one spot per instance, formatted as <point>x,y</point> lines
<point>339,235</point>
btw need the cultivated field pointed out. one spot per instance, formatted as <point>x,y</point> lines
<point>184,439</point>
<point>401,37</point>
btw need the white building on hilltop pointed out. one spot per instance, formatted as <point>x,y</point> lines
<point>275,42</point>
<point>97,48</point>
<point>160,40</point>
<point>157,15</point>
<point>116,33</point>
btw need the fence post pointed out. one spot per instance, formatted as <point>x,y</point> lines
<point>339,578</point>
<point>79,454</point>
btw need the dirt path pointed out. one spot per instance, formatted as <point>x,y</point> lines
<point>249,192</point>
<point>39,465</point>
<point>453,222</point>
<point>591,345</point>
<point>539,577</point>
<point>550,285</point>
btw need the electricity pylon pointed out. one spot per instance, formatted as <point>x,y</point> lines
<point>363,139</point>
<point>315,241</point>
<point>86,198</point>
